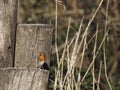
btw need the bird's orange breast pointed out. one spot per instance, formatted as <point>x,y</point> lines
<point>42,57</point>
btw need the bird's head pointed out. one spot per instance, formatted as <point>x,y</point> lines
<point>42,57</point>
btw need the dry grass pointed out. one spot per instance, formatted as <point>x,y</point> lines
<point>69,80</point>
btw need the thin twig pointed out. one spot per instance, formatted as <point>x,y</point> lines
<point>56,48</point>
<point>94,53</point>
<point>98,81</point>
<point>104,50</point>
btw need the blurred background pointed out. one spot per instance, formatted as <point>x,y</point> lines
<point>43,11</point>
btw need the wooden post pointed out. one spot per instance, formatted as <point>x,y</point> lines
<point>8,21</point>
<point>23,79</point>
<point>31,39</point>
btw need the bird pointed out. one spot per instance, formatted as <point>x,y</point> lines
<point>42,59</point>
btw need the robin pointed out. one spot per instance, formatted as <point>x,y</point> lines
<point>42,59</point>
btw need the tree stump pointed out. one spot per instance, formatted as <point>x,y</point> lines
<point>8,21</point>
<point>31,39</point>
<point>23,79</point>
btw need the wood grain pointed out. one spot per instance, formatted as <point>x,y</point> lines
<point>31,39</point>
<point>8,15</point>
<point>23,79</point>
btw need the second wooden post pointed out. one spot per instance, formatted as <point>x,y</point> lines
<point>31,39</point>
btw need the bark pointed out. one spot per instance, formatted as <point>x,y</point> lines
<point>31,39</point>
<point>23,79</point>
<point>8,20</point>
